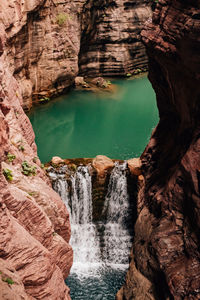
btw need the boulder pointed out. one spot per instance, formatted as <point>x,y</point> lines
<point>79,81</point>
<point>57,160</point>
<point>134,166</point>
<point>102,163</point>
<point>100,82</point>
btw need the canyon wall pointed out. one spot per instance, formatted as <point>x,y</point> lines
<point>35,256</point>
<point>41,44</point>
<point>46,42</point>
<point>165,261</point>
<point>110,37</point>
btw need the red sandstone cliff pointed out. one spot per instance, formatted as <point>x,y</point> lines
<point>42,40</point>
<point>165,260</point>
<point>35,256</point>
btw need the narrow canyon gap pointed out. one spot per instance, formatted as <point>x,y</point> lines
<point>101,209</point>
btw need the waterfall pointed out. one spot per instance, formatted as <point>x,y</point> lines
<point>81,207</point>
<point>100,244</point>
<point>84,239</point>
<point>117,239</point>
<point>59,183</point>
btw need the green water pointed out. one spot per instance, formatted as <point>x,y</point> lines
<point>85,124</point>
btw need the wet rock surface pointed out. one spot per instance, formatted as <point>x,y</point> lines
<point>166,259</point>
<point>100,169</point>
<point>102,163</point>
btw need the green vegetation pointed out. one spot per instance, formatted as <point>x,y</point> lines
<point>28,169</point>
<point>137,71</point>
<point>21,148</point>
<point>8,280</point>
<point>44,100</point>
<point>21,145</point>
<point>62,18</point>
<point>8,174</point>
<point>33,194</point>
<point>42,166</point>
<point>16,114</point>
<point>106,83</point>
<point>10,157</point>
<point>54,165</point>
<point>35,159</point>
<point>73,167</point>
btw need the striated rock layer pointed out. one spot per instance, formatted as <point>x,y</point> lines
<point>42,40</point>
<point>110,37</point>
<point>41,44</point>
<point>35,256</point>
<point>165,260</point>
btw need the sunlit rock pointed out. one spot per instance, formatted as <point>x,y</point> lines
<point>57,160</point>
<point>102,163</point>
<point>134,166</point>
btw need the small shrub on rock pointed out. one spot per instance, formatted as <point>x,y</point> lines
<point>8,174</point>
<point>8,280</point>
<point>21,145</point>
<point>10,157</point>
<point>28,169</point>
<point>44,100</point>
<point>61,19</point>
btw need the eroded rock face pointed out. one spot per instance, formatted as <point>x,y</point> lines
<point>110,39</point>
<point>41,43</point>
<point>42,40</point>
<point>167,254</point>
<point>35,256</point>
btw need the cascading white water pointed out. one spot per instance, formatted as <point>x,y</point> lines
<point>84,239</point>
<point>81,199</point>
<point>102,244</point>
<point>59,183</point>
<point>117,239</point>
